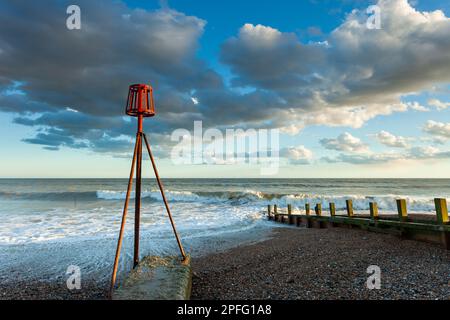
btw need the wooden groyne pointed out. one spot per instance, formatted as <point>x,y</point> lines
<point>429,230</point>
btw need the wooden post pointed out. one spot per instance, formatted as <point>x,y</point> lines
<point>402,211</point>
<point>349,204</point>
<point>318,209</point>
<point>275,212</point>
<point>269,210</point>
<point>441,211</point>
<point>290,217</point>
<point>275,209</point>
<point>307,212</point>
<point>332,209</point>
<point>373,210</point>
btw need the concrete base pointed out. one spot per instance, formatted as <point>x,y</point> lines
<point>157,278</point>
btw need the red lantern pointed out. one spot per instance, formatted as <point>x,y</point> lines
<point>140,101</point>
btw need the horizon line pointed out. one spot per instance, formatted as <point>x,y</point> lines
<point>223,178</point>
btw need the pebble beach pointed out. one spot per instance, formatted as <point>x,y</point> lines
<point>294,264</point>
<point>324,264</point>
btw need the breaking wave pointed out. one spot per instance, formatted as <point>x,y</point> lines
<point>360,202</point>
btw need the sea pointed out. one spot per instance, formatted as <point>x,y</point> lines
<point>49,225</point>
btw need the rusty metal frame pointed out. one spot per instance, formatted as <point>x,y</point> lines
<point>124,215</point>
<point>161,188</point>
<point>137,163</point>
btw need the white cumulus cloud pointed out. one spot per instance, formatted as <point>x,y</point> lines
<point>440,105</point>
<point>391,140</point>
<point>345,142</point>
<point>297,155</point>
<point>438,129</point>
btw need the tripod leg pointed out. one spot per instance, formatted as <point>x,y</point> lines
<point>137,206</point>
<point>161,188</point>
<point>124,218</point>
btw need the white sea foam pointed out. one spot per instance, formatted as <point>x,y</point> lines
<point>154,194</point>
<point>65,224</point>
<point>360,202</point>
<point>193,212</point>
<point>78,222</point>
<point>44,248</point>
<point>185,196</point>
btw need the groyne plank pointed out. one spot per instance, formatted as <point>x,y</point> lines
<point>430,231</point>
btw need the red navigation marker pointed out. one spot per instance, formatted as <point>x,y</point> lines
<point>140,104</point>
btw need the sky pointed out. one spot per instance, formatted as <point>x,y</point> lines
<point>349,101</point>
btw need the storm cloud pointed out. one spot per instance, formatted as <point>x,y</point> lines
<point>47,69</point>
<point>355,74</point>
<point>71,84</point>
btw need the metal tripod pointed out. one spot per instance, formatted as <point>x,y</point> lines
<point>137,162</point>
